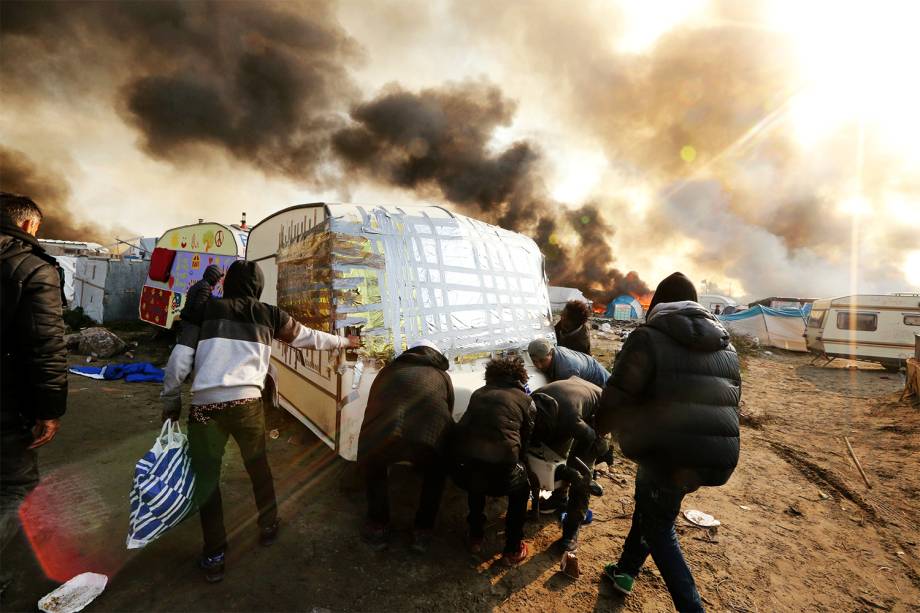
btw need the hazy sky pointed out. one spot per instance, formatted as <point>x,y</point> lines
<point>762,146</point>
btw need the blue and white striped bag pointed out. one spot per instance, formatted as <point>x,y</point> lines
<point>163,487</point>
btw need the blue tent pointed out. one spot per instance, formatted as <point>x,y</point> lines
<point>624,307</point>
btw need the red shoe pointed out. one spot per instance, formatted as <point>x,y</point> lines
<point>513,559</point>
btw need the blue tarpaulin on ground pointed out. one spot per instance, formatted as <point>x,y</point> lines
<point>134,372</point>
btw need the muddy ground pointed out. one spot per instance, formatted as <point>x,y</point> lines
<point>800,530</point>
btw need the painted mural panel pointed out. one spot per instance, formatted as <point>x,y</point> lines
<point>204,238</point>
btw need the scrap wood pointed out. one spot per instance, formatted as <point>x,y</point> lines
<point>858,465</point>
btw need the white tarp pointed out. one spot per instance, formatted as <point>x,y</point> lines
<point>89,286</point>
<point>558,296</point>
<point>69,264</point>
<point>772,327</point>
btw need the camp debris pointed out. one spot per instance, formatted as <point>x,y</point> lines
<point>75,594</point>
<point>703,520</point>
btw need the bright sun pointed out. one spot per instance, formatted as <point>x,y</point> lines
<point>858,61</point>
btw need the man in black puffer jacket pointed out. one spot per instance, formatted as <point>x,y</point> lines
<point>408,418</point>
<point>489,448</point>
<point>672,401</point>
<point>34,356</point>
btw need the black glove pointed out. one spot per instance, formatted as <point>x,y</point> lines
<point>212,274</point>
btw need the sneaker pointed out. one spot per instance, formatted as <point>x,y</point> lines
<point>622,582</point>
<point>553,504</point>
<point>513,559</point>
<point>213,567</point>
<point>474,543</point>
<point>421,540</point>
<point>375,535</point>
<point>565,544</point>
<point>267,536</point>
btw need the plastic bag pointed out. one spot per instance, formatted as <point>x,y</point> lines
<point>74,595</point>
<point>163,487</point>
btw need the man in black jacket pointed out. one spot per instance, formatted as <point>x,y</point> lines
<point>572,328</point>
<point>34,356</point>
<point>408,418</point>
<point>672,401</point>
<point>565,423</point>
<point>489,448</point>
<point>196,299</point>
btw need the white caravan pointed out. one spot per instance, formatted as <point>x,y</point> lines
<point>873,328</point>
<point>394,275</point>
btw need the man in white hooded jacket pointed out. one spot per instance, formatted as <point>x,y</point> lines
<point>229,355</point>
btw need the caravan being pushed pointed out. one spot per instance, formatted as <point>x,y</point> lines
<point>872,328</point>
<point>393,275</point>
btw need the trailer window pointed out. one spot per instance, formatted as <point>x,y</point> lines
<point>816,319</point>
<point>912,320</point>
<point>863,322</point>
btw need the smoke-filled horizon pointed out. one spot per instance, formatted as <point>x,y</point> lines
<point>263,102</point>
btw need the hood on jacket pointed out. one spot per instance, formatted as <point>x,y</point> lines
<point>676,287</point>
<point>244,280</point>
<point>690,324</point>
<point>424,356</point>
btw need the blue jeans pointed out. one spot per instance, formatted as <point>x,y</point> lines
<point>652,532</point>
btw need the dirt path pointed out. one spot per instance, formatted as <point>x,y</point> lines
<point>800,531</point>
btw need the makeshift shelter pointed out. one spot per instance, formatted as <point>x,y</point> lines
<point>106,289</point>
<point>712,301</point>
<point>783,328</point>
<point>559,296</point>
<point>624,307</point>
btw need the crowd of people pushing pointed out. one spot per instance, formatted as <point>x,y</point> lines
<point>670,404</point>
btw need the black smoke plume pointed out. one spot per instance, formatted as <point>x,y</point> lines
<point>261,81</point>
<point>50,191</point>
<point>439,141</point>
<point>267,83</point>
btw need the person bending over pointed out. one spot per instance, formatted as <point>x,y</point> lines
<point>565,423</point>
<point>559,363</point>
<point>408,418</point>
<point>488,450</point>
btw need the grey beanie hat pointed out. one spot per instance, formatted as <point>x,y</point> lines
<point>539,348</point>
